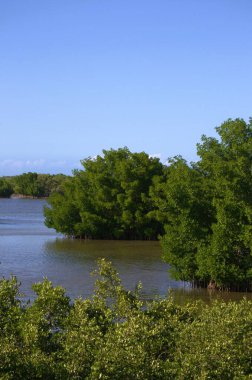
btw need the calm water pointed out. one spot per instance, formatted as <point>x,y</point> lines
<point>31,251</point>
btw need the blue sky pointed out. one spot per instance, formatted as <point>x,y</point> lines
<point>80,76</point>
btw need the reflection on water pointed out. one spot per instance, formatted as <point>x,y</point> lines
<point>135,261</point>
<point>31,251</point>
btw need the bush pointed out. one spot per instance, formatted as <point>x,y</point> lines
<point>114,335</point>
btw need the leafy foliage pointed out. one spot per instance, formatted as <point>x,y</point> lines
<point>31,184</point>
<point>184,206</point>
<point>108,199</point>
<point>114,335</point>
<point>207,211</point>
<point>27,184</point>
<point>6,188</point>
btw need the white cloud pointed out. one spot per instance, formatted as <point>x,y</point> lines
<point>155,155</point>
<point>21,163</point>
<point>53,166</point>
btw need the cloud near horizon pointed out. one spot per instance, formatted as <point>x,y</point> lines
<point>13,166</point>
<point>18,166</point>
<point>21,163</point>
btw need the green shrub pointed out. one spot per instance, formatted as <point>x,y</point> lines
<point>114,335</point>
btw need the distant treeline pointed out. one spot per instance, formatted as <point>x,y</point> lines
<point>31,184</point>
<point>202,210</point>
<point>114,335</point>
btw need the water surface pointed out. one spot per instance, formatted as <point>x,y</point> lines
<point>31,251</point>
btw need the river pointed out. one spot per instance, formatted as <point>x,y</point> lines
<point>31,251</point>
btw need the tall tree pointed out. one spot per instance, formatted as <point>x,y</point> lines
<point>109,198</point>
<point>184,206</point>
<point>208,229</point>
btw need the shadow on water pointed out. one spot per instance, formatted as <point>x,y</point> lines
<point>135,261</point>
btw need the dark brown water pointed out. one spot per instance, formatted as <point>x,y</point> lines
<point>31,251</point>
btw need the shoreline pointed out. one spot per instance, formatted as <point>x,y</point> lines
<point>21,196</point>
